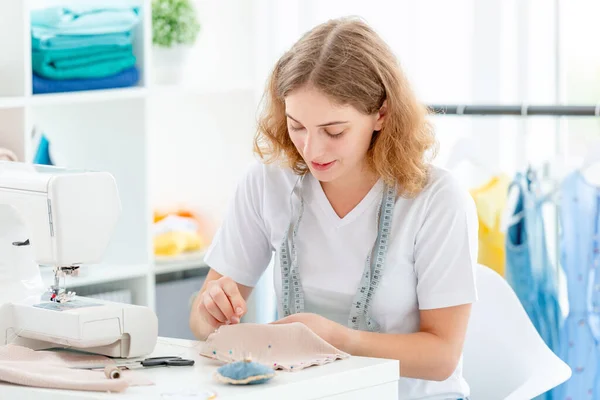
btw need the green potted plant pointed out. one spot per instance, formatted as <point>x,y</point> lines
<point>175,28</point>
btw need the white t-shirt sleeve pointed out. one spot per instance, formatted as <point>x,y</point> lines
<point>446,247</point>
<point>241,248</point>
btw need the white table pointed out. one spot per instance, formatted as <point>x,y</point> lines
<point>353,378</point>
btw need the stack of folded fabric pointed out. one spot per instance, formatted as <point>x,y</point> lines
<point>178,232</point>
<point>83,48</point>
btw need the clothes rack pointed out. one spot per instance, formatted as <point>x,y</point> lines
<point>517,110</point>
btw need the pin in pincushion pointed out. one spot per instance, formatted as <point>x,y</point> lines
<point>244,372</point>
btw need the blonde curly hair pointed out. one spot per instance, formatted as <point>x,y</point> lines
<point>347,61</point>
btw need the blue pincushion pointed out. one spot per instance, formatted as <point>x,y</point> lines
<point>244,373</point>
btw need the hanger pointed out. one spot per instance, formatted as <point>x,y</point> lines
<point>590,168</point>
<point>592,156</point>
<point>465,150</point>
<point>552,171</point>
<point>508,217</point>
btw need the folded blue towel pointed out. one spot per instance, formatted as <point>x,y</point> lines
<point>64,42</point>
<point>126,78</point>
<point>82,20</point>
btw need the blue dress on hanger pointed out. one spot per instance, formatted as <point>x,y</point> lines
<point>528,268</point>
<point>580,258</point>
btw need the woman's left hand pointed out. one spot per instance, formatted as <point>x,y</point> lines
<point>333,333</point>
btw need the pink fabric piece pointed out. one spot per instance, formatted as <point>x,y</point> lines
<point>56,370</point>
<point>289,347</point>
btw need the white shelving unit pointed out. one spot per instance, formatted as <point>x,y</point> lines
<point>128,131</point>
<point>98,129</point>
<point>92,96</point>
<point>181,263</point>
<point>167,145</point>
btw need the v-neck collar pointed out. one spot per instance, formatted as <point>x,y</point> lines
<point>318,196</point>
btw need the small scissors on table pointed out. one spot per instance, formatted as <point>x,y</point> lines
<point>171,361</point>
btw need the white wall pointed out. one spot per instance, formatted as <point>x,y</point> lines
<point>198,146</point>
<point>498,51</point>
<point>201,132</point>
<point>458,52</point>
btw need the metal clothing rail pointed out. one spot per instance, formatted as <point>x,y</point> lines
<point>517,110</point>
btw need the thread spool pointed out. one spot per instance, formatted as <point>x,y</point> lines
<point>112,372</point>
<point>7,155</point>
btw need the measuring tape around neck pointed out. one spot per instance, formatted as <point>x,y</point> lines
<point>292,287</point>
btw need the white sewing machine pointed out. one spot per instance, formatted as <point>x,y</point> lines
<point>62,218</point>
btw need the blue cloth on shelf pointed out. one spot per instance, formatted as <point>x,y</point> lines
<point>126,78</point>
<point>82,20</point>
<point>65,58</point>
<point>82,26</point>
<point>64,42</point>
<point>83,63</point>
<point>42,154</point>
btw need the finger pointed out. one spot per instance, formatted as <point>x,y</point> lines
<point>207,317</point>
<point>237,301</point>
<point>222,301</point>
<point>213,309</point>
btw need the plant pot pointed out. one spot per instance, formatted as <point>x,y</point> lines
<point>169,63</point>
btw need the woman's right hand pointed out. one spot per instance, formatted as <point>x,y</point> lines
<point>221,303</point>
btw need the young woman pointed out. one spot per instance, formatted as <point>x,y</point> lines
<point>374,248</point>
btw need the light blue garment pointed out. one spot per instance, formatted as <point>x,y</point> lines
<point>528,267</point>
<point>82,20</point>
<point>580,258</point>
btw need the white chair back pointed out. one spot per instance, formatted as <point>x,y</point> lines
<point>504,356</point>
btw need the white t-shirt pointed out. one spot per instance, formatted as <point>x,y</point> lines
<point>430,263</point>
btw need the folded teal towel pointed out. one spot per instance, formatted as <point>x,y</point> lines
<point>78,41</point>
<point>82,20</point>
<point>85,63</point>
<point>67,58</point>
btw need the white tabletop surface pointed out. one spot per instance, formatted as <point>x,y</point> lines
<point>175,383</point>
